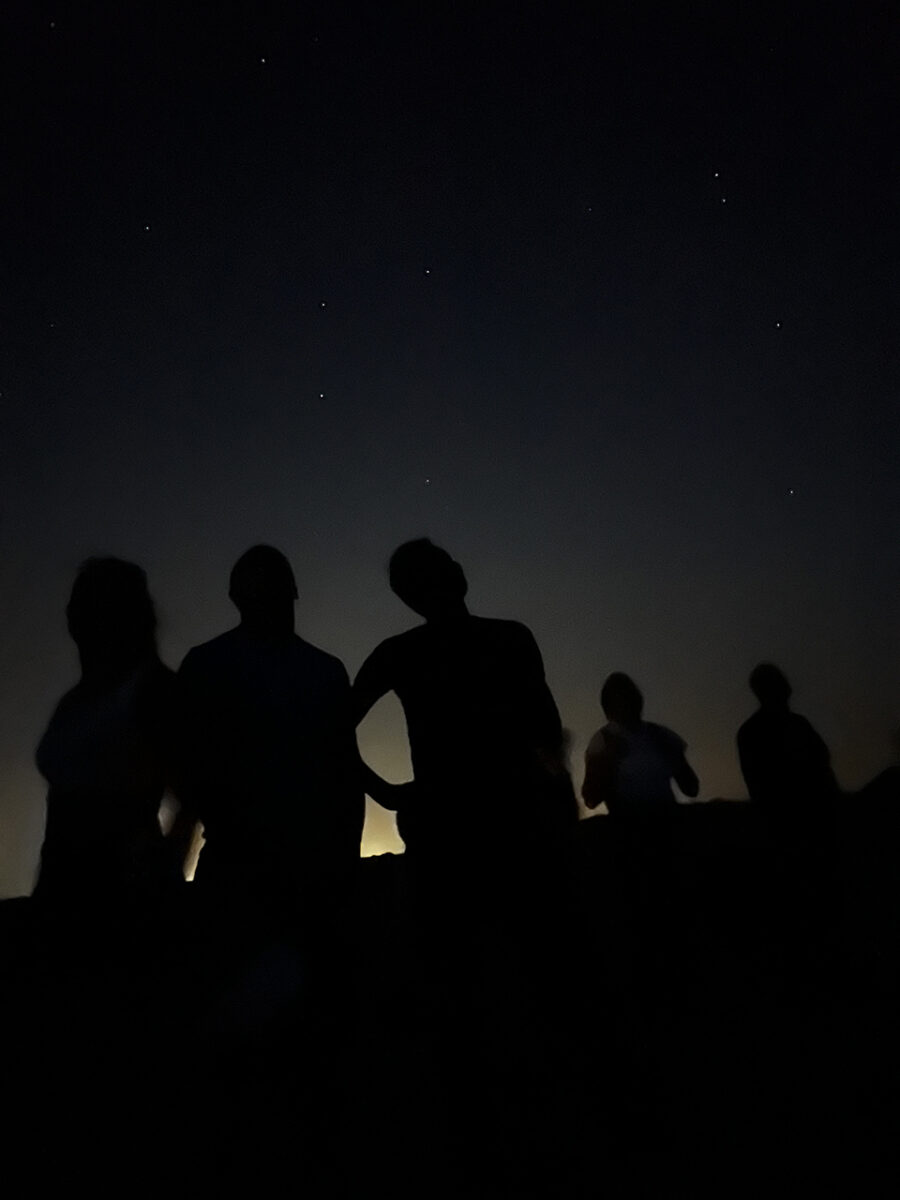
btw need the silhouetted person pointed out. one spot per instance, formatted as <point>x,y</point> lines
<point>106,754</point>
<point>884,789</point>
<point>785,763</point>
<point>787,769</point>
<point>485,736</point>
<point>485,822</point>
<point>103,972</point>
<point>270,767</point>
<point>630,763</point>
<point>270,761</point>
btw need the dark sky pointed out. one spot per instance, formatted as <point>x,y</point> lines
<point>605,304</point>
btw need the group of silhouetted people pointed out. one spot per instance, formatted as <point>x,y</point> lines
<point>255,737</point>
<point>630,764</point>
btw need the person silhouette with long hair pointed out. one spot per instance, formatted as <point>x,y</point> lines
<point>109,897</point>
<point>107,752</point>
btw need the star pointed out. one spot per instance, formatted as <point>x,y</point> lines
<point>146,228</point>
<point>321,304</point>
<point>723,199</point>
<point>427,271</point>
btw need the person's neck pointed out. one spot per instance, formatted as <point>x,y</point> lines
<point>449,615</point>
<point>270,629</point>
<point>99,674</point>
<point>627,726</point>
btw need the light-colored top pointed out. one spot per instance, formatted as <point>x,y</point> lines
<point>633,767</point>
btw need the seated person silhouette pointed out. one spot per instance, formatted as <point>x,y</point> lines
<point>485,736</point>
<point>630,763</point>
<point>106,754</point>
<point>786,765</point>
<point>269,757</point>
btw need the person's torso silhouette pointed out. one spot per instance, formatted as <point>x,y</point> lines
<point>106,753</point>
<point>785,763</point>
<point>630,763</point>
<point>269,748</point>
<point>484,732</point>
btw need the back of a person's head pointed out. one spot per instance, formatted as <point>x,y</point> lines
<point>426,578</point>
<point>770,686</point>
<point>261,580</point>
<point>621,699</point>
<point>110,613</point>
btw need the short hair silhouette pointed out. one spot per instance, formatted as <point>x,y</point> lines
<point>769,685</point>
<point>621,698</point>
<point>261,576</point>
<point>110,608</point>
<point>426,578</point>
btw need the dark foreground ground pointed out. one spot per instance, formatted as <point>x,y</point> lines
<point>717,1017</point>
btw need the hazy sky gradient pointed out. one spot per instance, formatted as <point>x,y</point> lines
<point>660,429</point>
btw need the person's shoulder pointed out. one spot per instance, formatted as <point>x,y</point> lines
<point>802,727</point>
<point>156,687</point>
<point>798,721</point>
<point>598,744</point>
<point>73,699</point>
<point>216,648</point>
<point>401,645</point>
<point>749,727</point>
<point>504,625</point>
<point>158,678</point>
<point>664,736</point>
<point>503,631</point>
<point>320,660</point>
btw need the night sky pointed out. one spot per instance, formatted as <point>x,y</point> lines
<point>605,305</point>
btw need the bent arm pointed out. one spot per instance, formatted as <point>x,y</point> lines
<point>374,679</point>
<point>754,776</point>
<point>686,777</point>
<point>547,731</point>
<point>600,763</point>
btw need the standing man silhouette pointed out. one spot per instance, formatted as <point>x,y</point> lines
<point>271,768</point>
<point>787,768</point>
<point>270,761</point>
<point>484,732</point>
<point>785,763</point>
<point>485,822</point>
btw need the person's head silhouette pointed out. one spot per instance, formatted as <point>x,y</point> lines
<point>263,589</point>
<point>770,686</point>
<point>111,618</point>
<point>428,580</point>
<point>621,699</point>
